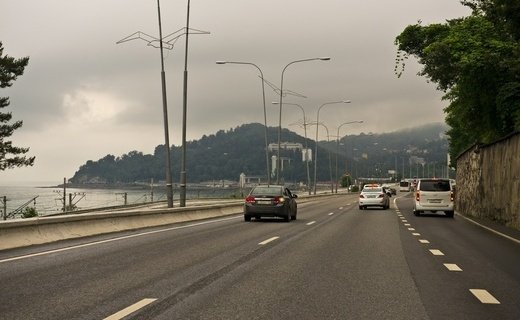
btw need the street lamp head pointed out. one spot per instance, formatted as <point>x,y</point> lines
<point>324,58</point>
<point>346,101</point>
<point>221,62</point>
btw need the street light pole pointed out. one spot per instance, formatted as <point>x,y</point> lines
<point>306,147</point>
<point>265,113</point>
<point>316,149</point>
<point>330,158</point>
<point>280,116</point>
<point>184,114</point>
<point>337,148</point>
<point>169,186</point>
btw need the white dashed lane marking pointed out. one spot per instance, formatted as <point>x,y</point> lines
<point>331,213</point>
<point>424,241</point>
<point>268,240</point>
<point>436,252</point>
<point>452,267</point>
<point>484,296</point>
<point>312,222</point>
<point>416,234</point>
<point>131,309</point>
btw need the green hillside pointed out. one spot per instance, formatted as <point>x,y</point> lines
<point>226,154</point>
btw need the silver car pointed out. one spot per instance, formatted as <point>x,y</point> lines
<point>374,196</point>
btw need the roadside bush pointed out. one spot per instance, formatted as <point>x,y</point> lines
<point>29,212</point>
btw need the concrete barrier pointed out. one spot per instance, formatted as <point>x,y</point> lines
<point>26,232</point>
<point>32,231</point>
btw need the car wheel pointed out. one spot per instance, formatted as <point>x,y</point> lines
<point>293,217</point>
<point>247,218</point>
<point>449,213</point>
<point>416,213</point>
<point>360,207</point>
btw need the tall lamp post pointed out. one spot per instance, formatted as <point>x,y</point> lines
<point>306,147</point>
<point>316,149</point>
<point>280,117</point>
<point>337,147</point>
<point>265,113</point>
<point>330,159</point>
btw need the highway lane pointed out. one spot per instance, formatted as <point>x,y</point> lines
<point>334,262</point>
<point>471,258</point>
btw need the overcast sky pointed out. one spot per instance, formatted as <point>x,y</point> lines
<point>83,96</point>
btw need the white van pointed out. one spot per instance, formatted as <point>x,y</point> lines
<point>404,186</point>
<point>434,195</point>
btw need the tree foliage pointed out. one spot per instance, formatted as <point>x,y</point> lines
<point>226,154</point>
<point>10,156</point>
<point>475,60</point>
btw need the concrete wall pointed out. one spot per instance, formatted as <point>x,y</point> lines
<point>488,181</point>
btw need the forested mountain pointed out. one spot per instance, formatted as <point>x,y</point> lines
<point>227,154</point>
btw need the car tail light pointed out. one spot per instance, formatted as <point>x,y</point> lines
<point>381,195</point>
<point>417,196</point>
<point>361,196</point>
<point>250,199</point>
<point>278,200</point>
<point>452,196</point>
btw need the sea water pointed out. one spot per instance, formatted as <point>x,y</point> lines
<point>49,200</point>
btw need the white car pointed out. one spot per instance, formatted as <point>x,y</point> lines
<point>434,195</point>
<point>374,196</point>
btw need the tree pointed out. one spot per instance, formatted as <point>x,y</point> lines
<point>10,156</point>
<point>476,61</point>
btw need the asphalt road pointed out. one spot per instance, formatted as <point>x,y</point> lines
<point>334,262</point>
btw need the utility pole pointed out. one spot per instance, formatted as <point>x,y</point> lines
<point>4,201</point>
<point>64,195</point>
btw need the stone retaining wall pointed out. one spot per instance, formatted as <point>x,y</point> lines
<point>488,181</point>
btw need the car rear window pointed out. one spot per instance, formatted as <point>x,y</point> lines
<point>373,190</point>
<point>434,185</point>
<point>266,191</point>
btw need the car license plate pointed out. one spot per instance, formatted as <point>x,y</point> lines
<point>371,197</point>
<point>434,200</point>
<point>263,201</point>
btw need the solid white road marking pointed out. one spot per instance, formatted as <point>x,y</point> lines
<point>116,239</point>
<point>452,267</point>
<point>436,252</point>
<point>424,241</point>
<point>268,240</point>
<point>131,309</point>
<point>312,222</point>
<point>484,296</point>
<point>489,229</point>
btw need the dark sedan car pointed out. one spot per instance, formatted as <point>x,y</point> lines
<point>270,201</point>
